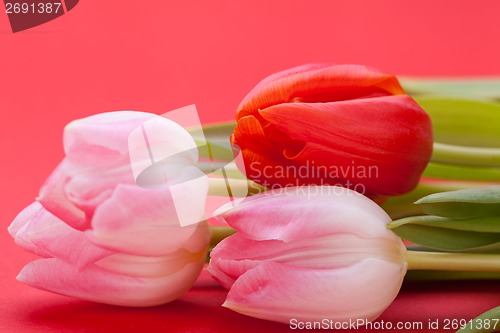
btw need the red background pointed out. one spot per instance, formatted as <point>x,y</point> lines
<point>160,55</point>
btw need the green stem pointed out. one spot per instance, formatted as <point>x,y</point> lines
<point>480,87</point>
<point>222,129</point>
<point>460,172</point>
<point>230,169</point>
<point>445,261</point>
<point>468,156</point>
<point>424,275</point>
<point>219,187</point>
<point>219,233</point>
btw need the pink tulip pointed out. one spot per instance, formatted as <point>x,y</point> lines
<point>102,236</point>
<point>309,254</point>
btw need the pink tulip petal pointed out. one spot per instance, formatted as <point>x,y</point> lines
<point>23,240</point>
<point>99,285</point>
<point>55,199</point>
<point>101,134</point>
<point>236,254</point>
<point>149,267</point>
<point>158,139</point>
<point>24,217</point>
<point>72,193</point>
<point>105,140</point>
<point>142,221</point>
<point>46,235</point>
<point>319,83</point>
<point>352,213</point>
<point>226,272</point>
<point>279,292</point>
<point>200,238</point>
<point>87,190</point>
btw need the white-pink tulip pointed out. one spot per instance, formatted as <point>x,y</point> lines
<point>309,254</point>
<point>104,236</point>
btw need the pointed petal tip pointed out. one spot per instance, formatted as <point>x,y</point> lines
<point>24,217</point>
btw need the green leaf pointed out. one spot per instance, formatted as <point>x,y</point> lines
<point>483,224</point>
<point>460,210</point>
<point>445,239</point>
<point>485,323</point>
<point>402,206</point>
<point>463,122</point>
<point>474,88</point>
<point>463,204</point>
<point>482,195</point>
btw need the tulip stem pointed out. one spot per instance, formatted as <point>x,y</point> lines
<point>238,187</point>
<point>481,88</point>
<point>219,233</point>
<point>445,261</point>
<point>220,129</point>
<point>468,156</point>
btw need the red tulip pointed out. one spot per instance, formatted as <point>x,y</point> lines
<point>345,125</point>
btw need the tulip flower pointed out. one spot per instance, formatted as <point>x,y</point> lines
<point>103,235</point>
<point>309,254</point>
<point>344,125</point>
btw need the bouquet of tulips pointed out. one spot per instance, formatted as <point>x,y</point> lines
<point>337,183</point>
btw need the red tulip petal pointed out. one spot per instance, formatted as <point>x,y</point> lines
<point>394,139</point>
<point>363,175</point>
<point>256,150</point>
<point>319,83</point>
<point>391,124</point>
<point>279,292</point>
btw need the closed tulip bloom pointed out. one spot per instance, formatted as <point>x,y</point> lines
<point>103,236</point>
<point>344,125</point>
<point>309,254</point>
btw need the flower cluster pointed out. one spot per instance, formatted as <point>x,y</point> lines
<point>121,220</point>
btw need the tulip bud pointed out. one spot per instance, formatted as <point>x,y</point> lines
<point>309,254</point>
<point>104,236</point>
<point>345,125</point>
